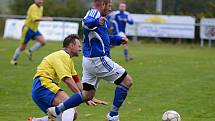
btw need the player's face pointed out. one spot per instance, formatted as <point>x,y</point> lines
<point>75,48</point>
<point>39,2</point>
<point>122,6</point>
<point>107,8</point>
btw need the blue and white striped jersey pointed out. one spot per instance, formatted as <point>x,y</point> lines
<point>97,41</point>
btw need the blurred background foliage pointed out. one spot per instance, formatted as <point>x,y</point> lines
<point>77,8</point>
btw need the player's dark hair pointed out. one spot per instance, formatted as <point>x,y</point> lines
<point>105,1</point>
<point>122,2</point>
<point>70,39</point>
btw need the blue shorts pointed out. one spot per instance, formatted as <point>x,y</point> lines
<point>28,34</point>
<point>42,96</point>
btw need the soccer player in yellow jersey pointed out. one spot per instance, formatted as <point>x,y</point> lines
<point>30,30</point>
<point>55,68</point>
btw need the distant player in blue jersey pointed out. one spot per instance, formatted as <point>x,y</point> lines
<point>119,19</point>
<point>112,25</point>
<point>97,63</point>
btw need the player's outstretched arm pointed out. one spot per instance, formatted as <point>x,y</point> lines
<point>43,19</point>
<point>116,40</point>
<point>46,19</point>
<point>130,20</point>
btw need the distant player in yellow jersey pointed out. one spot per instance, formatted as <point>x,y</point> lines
<point>30,30</point>
<point>55,68</point>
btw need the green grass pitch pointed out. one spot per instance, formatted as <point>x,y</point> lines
<point>166,77</point>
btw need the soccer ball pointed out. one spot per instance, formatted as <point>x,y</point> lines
<point>171,116</point>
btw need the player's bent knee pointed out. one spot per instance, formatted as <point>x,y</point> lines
<point>88,87</point>
<point>88,95</point>
<point>41,40</point>
<point>88,91</point>
<point>120,79</point>
<point>128,81</point>
<point>42,43</point>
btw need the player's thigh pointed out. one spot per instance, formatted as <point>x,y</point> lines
<point>41,95</point>
<point>60,97</point>
<point>39,37</point>
<point>109,70</point>
<point>89,73</point>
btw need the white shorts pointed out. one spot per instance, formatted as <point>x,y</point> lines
<point>98,68</point>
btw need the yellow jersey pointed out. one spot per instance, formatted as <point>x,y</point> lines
<point>34,13</point>
<point>56,66</point>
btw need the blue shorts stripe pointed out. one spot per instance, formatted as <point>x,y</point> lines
<point>106,65</point>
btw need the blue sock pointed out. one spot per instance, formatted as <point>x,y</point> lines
<point>126,53</point>
<point>73,101</point>
<point>120,95</point>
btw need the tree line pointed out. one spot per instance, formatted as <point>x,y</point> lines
<point>77,8</point>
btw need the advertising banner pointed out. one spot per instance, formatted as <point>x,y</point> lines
<point>51,30</point>
<point>162,26</point>
<point>207,28</point>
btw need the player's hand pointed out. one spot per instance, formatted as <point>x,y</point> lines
<point>102,20</point>
<point>98,101</point>
<point>91,103</point>
<point>95,102</point>
<point>124,40</point>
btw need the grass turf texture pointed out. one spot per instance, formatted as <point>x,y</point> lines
<point>166,76</point>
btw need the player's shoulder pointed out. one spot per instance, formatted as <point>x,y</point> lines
<point>62,53</point>
<point>127,13</point>
<point>58,53</point>
<point>92,12</point>
<point>33,6</point>
<point>113,13</point>
<point>92,9</point>
<point>116,12</point>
